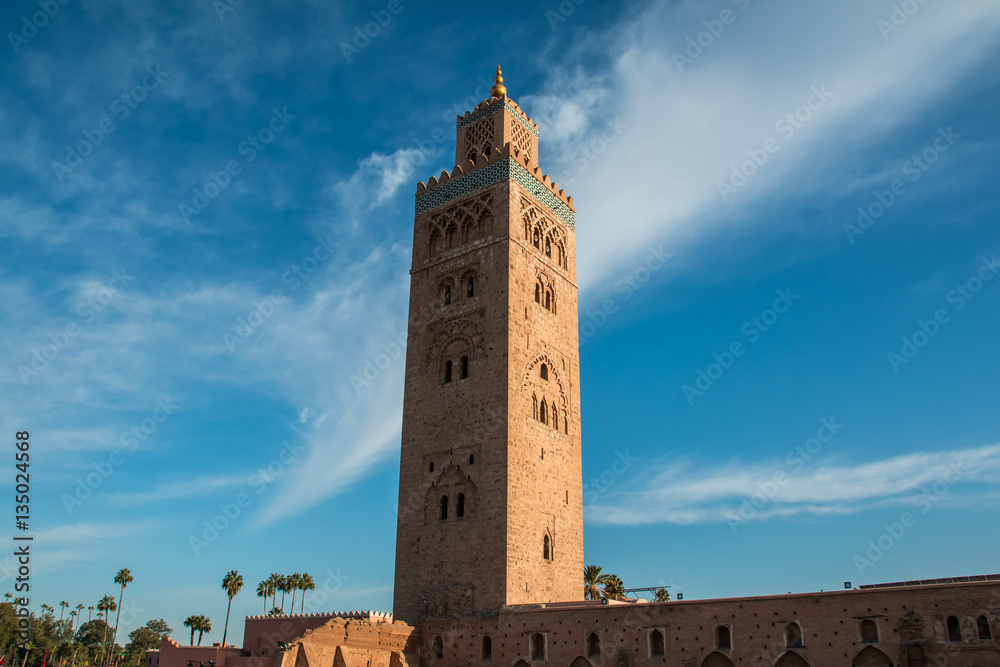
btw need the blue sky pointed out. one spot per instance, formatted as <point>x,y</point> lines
<point>225,255</point>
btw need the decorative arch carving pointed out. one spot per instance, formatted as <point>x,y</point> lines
<point>451,483</point>
<point>461,223</point>
<point>717,660</point>
<point>454,334</point>
<point>550,393</point>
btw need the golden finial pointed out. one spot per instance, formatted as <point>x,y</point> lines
<point>498,90</point>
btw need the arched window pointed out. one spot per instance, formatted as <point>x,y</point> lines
<point>593,646</point>
<point>546,548</point>
<point>869,631</point>
<point>548,248</point>
<point>565,423</point>
<point>793,636</point>
<point>534,240</point>
<point>464,368</point>
<point>723,639</point>
<point>534,407</point>
<point>954,631</point>
<point>437,648</point>
<point>447,371</point>
<point>470,287</point>
<point>656,647</point>
<point>538,646</point>
<point>487,653</point>
<point>548,299</point>
<point>542,416</point>
<point>460,506</point>
<point>984,629</point>
<point>447,295</point>
<point>555,419</point>
<point>435,244</point>
<point>544,372</point>
<point>451,238</point>
<point>538,294</point>
<point>444,508</point>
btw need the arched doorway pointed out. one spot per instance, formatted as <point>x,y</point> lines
<point>791,659</point>
<point>872,657</point>
<point>717,660</point>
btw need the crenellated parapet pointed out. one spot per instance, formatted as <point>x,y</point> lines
<point>369,615</point>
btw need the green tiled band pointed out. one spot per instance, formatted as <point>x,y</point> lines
<point>506,168</point>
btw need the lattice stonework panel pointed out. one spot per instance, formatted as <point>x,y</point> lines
<point>488,175</point>
<point>521,138</point>
<point>479,139</point>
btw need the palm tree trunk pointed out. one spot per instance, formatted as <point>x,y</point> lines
<point>25,661</point>
<point>192,635</point>
<point>226,628</point>
<point>104,643</point>
<point>282,602</point>
<point>293,600</point>
<point>200,633</point>
<point>114,637</point>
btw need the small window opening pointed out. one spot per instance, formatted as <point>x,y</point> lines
<point>432,466</point>
<point>472,459</point>
<point>544,372</point>
<point>437,648</point>
<point>593,646</point>
<point>460,506</point>
<point>565,423</point>
<point>470,288</point>
<point>487,649</point>
<point>656,647</point>
<point>535,239</point>
<point>555,419</point>
<point>538,646</point>
<point>984,629</point>
<point>444,508</point>
<point>465,367</point>
<point>954,631</point>
<point>534,407</point>
<point>793,636</point>
<point>567,496</point>
<point>548,300</point>
<point>723,640</point>
<point>447,371</point>
<point>538,294</point>
<point>543,417</point>
<point>548,248</point>
<point>546,548</point>
<point>869,631</point>
<point>447,295</point>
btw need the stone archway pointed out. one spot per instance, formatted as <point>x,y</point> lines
<point>791,659</point>
<point>871,657</point>
<point>717,660</point>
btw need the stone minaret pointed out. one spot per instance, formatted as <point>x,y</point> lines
<point>490,497</point>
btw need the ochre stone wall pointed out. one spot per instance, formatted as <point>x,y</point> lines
<point>912,631</point>
<point>352,643</point>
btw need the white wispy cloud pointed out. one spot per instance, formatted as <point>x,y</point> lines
<point>679,493</point>
<point>673,135</point>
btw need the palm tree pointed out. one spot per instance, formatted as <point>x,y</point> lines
<point>79,613</point>
<point>661,595</point>
<point>124,578</point>
<point>231,583</point>
<point>191,622</point>
<point>47,610</point>
<point>306,583</point>
<point>275,581</point>
<point>204,625</point>
<point>72,621</point>
<point>62,611</point>
<point>265,589</point>
<point>614,589</point>
<point>281,583</point>
<point>107,604</point>
<point>293,586</point>
<point>274,612</point>
<point>90,613</point>
<point>593,580</point>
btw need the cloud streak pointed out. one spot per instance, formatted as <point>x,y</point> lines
<point>678,493</point>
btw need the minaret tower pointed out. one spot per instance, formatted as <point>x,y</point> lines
<point>490,497</point>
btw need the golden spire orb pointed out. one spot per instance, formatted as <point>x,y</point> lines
<point>498,90</point>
